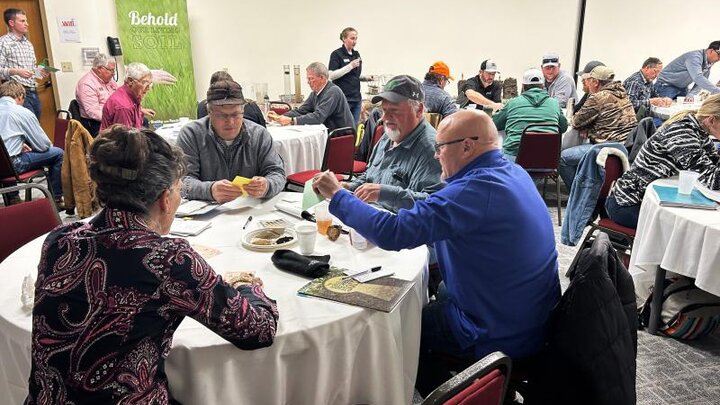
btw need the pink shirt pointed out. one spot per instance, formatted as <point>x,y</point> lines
<point>122,108</point>
<point>92,93</point>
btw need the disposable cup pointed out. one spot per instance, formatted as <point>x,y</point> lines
<point>680,100</point>
<point>322,218</point>
<point>357,241</point>
<point>687,181</point>
<point>306,233</point>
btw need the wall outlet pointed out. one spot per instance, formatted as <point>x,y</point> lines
<point>66,66</point>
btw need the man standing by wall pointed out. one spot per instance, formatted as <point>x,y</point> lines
<point>17,57</point>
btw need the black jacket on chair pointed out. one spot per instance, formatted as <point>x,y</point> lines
<point>590,354</point>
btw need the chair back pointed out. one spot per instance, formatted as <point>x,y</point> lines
<point>613,171</point>
<point>379,131</point>
<point>433,119</point>
<point>7,170</point>
<point>61,126</point>
<point>483,383</point>
<point>280,107</point>
<point>340,151</point>
<point>539,151</point>
<point>74,110</point>
<point>28,220</point>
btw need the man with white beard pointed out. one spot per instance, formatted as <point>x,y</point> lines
<point>402,167</point>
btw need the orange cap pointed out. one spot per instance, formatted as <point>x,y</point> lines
<point>442,69</point>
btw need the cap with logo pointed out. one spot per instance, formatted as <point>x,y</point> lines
<point>602,73</point>
<point>441,68</point>
<point>589,67</point>
<point>225,92</point>
<point>533,76</point>
<point>401,88</point>
<point>550,59</point>
<point>489,66</point>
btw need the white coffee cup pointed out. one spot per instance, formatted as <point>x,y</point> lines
<point>357,241</point>
<point>306,233</point>
<point>686,183</point>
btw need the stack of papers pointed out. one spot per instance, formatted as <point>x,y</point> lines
<point>669,197</point>
<point>190,227</point>
<point>195,207</point>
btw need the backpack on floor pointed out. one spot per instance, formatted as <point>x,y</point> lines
<point>687,311</point>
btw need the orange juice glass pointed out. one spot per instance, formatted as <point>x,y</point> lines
<point>323,225</point>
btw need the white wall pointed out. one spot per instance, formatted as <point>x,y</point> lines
<point>253,40</point>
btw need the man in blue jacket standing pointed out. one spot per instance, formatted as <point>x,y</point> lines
<point>494,241</point>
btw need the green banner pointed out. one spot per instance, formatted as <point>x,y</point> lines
<point>157,33</point>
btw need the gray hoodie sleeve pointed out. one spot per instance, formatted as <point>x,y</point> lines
<point>193,187</point>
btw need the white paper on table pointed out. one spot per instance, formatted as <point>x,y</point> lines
<point>188,227</point>
<point>242,202</point>
<point>711,194</point>
<point>292,208</point>
<point>194,207</point>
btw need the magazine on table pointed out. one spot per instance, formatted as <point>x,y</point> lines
<point>669,197</point>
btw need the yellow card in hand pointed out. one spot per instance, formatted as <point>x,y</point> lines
<point>240,183</point>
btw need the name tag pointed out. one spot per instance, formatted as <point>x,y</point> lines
<point>346,60</point>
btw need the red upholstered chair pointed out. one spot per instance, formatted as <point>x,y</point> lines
<point>9,177</point>
<point>338,158</point>
<point>61,126</point>
<point>483,383</point>
<point>539,155</point>
<point>280,107</point>
<point>621,237</point>
<point>26,221</point>
<point>358,165</point>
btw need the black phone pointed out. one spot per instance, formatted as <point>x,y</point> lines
<point>114,46</point>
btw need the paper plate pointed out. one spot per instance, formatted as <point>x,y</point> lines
<point>260,233</point>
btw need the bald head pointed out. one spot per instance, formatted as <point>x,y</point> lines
<point>455,146</point>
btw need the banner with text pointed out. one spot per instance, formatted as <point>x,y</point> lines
<point>157,33</point>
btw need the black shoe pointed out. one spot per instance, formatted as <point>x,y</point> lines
<point>60,204</point>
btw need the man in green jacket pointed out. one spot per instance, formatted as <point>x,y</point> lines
<point>534,105</point>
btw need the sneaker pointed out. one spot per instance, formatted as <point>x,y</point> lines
<point>59,203</point>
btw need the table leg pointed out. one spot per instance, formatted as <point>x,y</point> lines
<point>657,299</point>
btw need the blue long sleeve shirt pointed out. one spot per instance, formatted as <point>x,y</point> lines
<point>687,68</point>
<point>495,246</point>
<point>18,125</point>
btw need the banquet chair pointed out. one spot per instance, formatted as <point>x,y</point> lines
<point>483,383</point>
<point>539,155</point>
<point>28,220</point>
<point>621,237</point>
<point>280,107</point>
<point>338,158</point>
<point>61,126</point>
<point>433,119</point>
<point>9,177</point>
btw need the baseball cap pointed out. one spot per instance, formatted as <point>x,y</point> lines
<point>225,92</point>
<point>488,66</point>
<point>602,73</point>
<point>533,76</point>
<point>441,68</point>
<point>401,88</point>
<point>589,67</point>
<point>551,59</point>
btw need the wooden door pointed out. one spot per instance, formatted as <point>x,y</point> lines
<point>46,92</point>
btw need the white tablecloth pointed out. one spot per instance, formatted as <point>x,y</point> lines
<point>667,112</point>
<point>324,353</point>
<point>300,146</point>
<point>681,240</point>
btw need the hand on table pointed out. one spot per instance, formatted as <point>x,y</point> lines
<point>326,184</point>
<point>368,192</point>
<point>283,120</point>
<point>257,187</point>
<point>238,278</point>
<point>148,111</point>
<point>223,191</point>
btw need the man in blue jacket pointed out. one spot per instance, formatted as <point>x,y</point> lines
<point>494,242</point>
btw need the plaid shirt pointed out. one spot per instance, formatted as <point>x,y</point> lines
<point>17,53</point>
<point>640,90</point>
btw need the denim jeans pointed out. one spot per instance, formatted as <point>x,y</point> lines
<point>52,159</point>
<point>355,107</point>
<point>436,337</point>
<point>32,102</point>
<point>669,91</point>
<point>625,216</point>
<point>569,160</point>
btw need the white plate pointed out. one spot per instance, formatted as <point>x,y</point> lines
<point>268,248</point>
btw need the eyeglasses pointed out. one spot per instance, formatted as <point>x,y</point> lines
<point>717,51</point>
<point>438,146</point>
<point>108,69</point>
<point>145,83</point>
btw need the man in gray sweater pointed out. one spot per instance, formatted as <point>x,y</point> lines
<point>222,145</point>
<point>325,105</point>
<point>690,67</point>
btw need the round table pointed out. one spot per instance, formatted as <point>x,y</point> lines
<point>301,146</point>
<point>324,352</point>
<point>680,240</point>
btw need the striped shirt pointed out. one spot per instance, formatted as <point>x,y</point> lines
<point>17,53</point>
<point>640,90</point>
<point>682,145</point>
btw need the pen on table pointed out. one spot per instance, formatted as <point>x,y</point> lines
<point>376,268</point>
<point>247,222</point>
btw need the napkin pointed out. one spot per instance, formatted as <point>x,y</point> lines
<point>307,266</point>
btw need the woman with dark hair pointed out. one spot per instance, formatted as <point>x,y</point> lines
<point>682,143</point>
<point>111,293</point>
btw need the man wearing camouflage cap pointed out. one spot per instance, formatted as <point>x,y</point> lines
<point>402,167</point>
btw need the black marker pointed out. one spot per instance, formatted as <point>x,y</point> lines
<point>376,268</point>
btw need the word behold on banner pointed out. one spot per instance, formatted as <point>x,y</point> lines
<point>150,19</point>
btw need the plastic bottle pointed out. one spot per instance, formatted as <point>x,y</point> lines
<point>266,104</point>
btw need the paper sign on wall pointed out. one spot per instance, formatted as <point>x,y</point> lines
<point>69,29</point>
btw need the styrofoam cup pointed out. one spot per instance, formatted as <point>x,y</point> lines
<point>306,233</point>
<point>687,181</point>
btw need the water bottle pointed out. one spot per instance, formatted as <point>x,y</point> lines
<point>27,296</point>
<point>266,104</point>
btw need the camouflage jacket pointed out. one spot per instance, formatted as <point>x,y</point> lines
<point>607,115</point>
